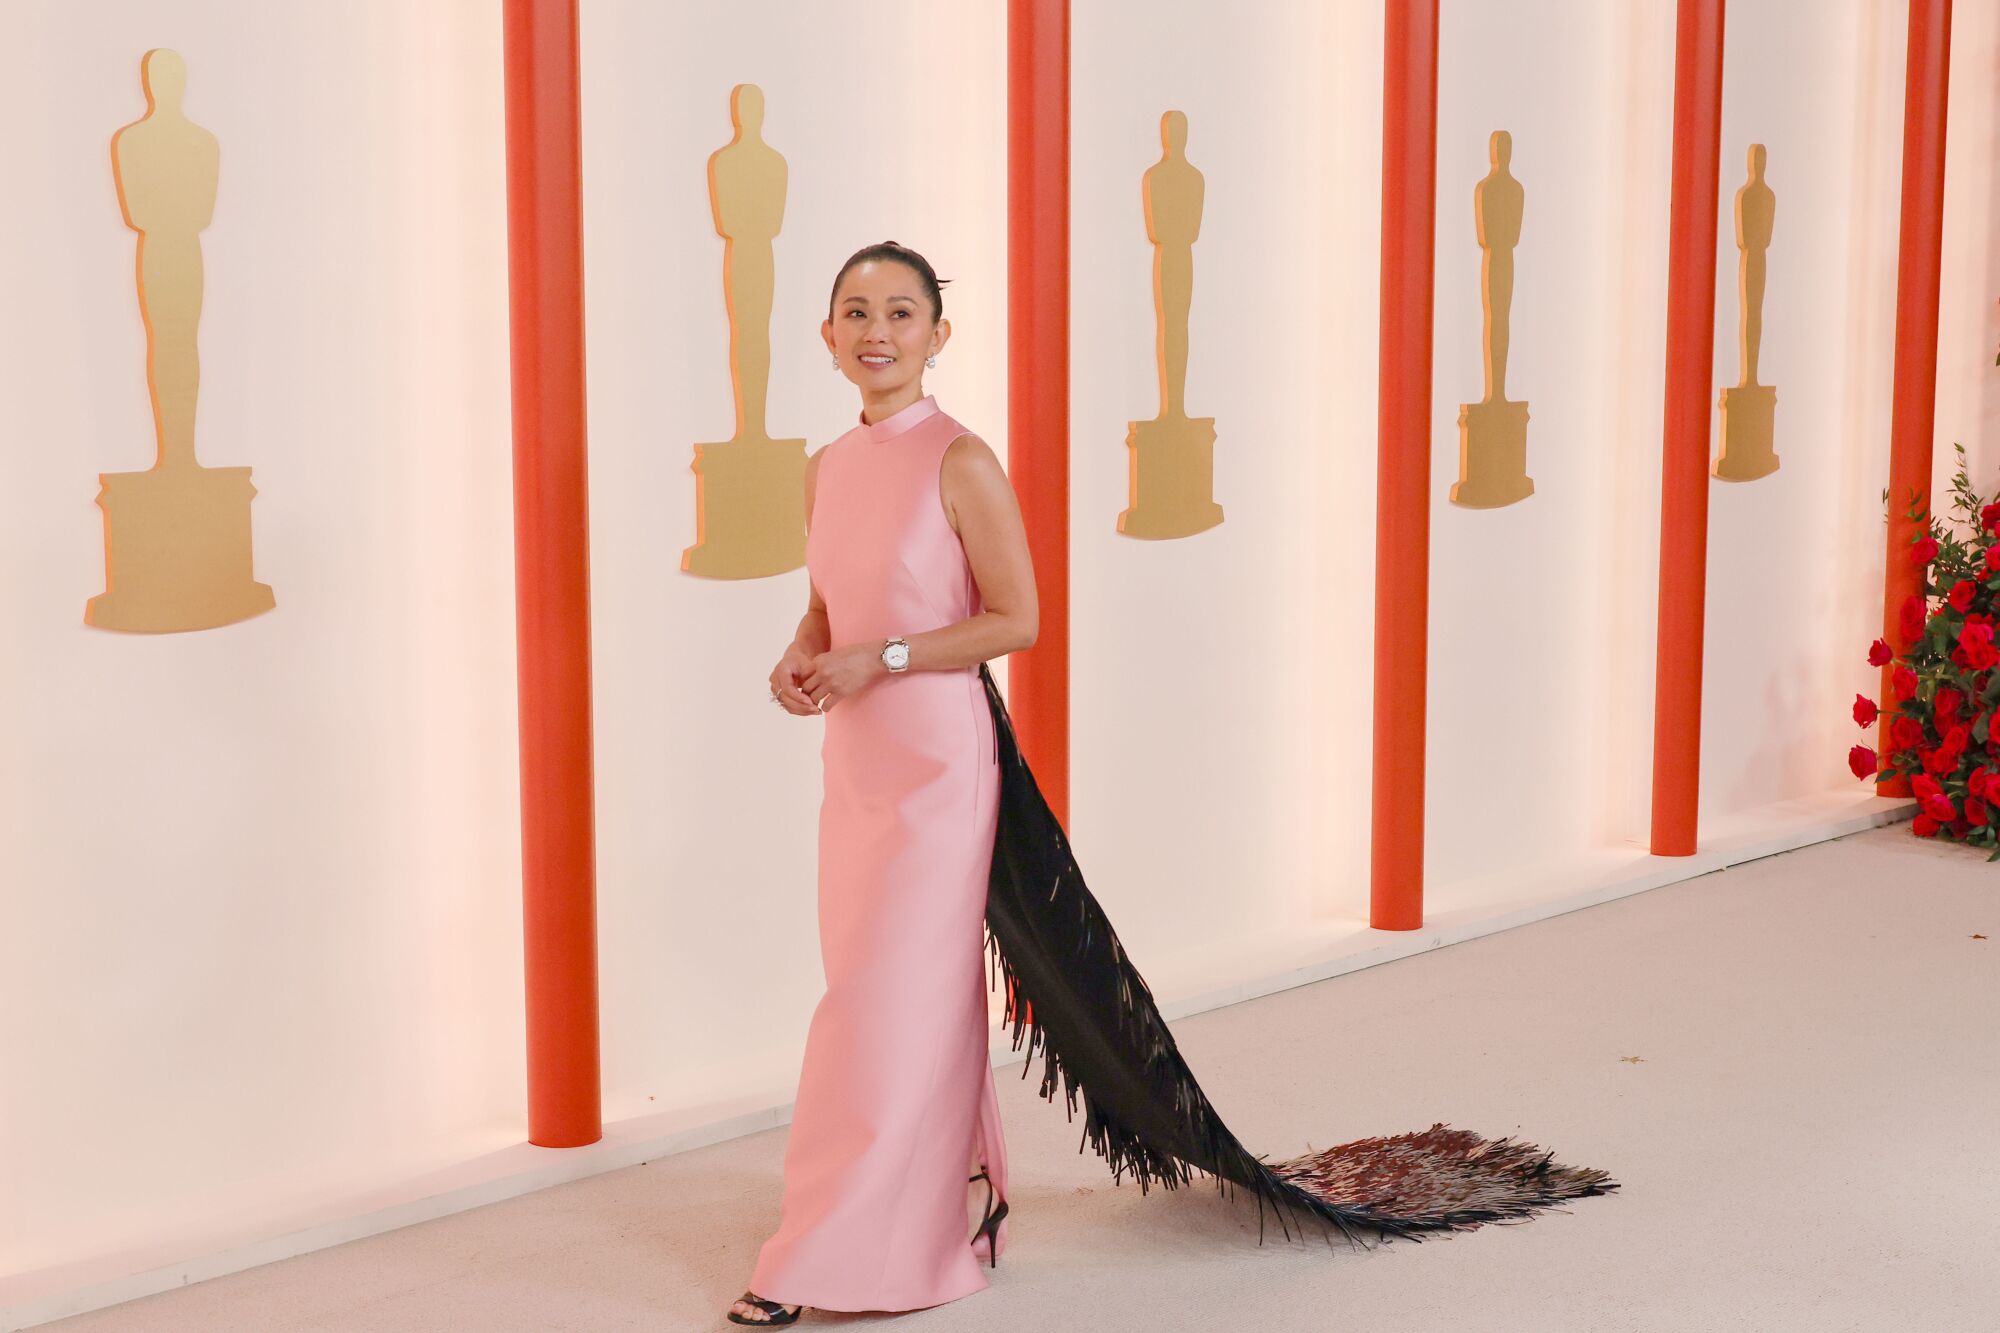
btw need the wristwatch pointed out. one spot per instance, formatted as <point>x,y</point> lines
<point>896,654</point>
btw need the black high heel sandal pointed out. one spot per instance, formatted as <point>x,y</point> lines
<point>775,1309</point>
<point>989,1224</point>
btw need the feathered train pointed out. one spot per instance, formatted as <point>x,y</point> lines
<point>1074,996</point>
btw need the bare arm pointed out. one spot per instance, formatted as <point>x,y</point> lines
<point>813,636</point>
<point>981,503</point>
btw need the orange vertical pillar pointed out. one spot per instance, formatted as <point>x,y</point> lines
<point>1403,469</point>
<point>1917,265</point>
<point>1038,371</point>
<point>1685,447</point>
<point>551,570</point>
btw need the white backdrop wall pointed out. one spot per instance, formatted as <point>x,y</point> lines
<point>1543,614</point>
<point>1968,402</point>
<point>260,921</point>
<point>1200,717</point>
<point>259,886</point>
<point>1795,600</point>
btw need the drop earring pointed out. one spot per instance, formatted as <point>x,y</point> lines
<point>931,361</point>
<point>836,363</point>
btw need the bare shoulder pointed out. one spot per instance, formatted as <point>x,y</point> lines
<point>970,456</point>
<point>970,476</point>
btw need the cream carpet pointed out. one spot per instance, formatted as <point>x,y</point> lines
<point>1809,1138</point>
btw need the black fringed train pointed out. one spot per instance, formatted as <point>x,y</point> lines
<point>1073,995</point>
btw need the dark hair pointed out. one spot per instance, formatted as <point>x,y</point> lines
<point>901,254</point>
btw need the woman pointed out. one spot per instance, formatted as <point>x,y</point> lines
<point>919,573</point>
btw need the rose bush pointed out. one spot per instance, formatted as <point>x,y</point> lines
<point>1944,691</point>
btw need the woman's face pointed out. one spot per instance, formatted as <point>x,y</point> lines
<point>881,327</point>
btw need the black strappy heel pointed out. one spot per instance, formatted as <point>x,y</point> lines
<point>989,1226</point>
<point>775,1309</point>
<point>990,1223</point>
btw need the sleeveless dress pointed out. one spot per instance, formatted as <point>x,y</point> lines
<point>931,817</point>
<point>896,1105</point>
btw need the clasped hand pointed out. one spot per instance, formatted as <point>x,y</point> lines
<point>808,683</point>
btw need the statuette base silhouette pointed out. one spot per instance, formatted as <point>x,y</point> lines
<point>1171,477</point>
<point>1492,455</point>
<point>748,509</point>
<point>177,551</point>
<point>1748,420</point>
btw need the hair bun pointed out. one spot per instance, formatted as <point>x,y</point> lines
<point>901,254</point>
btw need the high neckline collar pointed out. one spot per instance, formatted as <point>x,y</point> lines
<point>901,420</point>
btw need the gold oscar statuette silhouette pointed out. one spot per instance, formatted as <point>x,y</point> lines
<point>1749,409</point>
<point>176,537</point>
<point>1170,476</point>
<point>750,517</point>
<point>1493,433</point>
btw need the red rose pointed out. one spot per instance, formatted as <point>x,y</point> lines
<point>1861,762</point>
<point>1978,618</point>
<point>1976,643</point>
<point>1976,784</point>
<point>1992,552</point>
<point>1940,808</point>
<point>1989,517</point>
<point>1911,622</point>
<point>1957,739</point>
<point>1976,811</point>
<point>1923,826</point>
<point>1923,788</point>
<point>1939,760</point>
<point>1879,652</point>
<point>1904,682</point>
<point>1924,551</point>
<point>1961,595</point>
<point>1947,703</point>
<point>1865,711</point>
<point>1905,733</point>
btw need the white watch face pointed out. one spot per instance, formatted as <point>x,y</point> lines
<point>896,656</point>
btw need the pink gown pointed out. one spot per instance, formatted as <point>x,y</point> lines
<point>896,1104</point>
